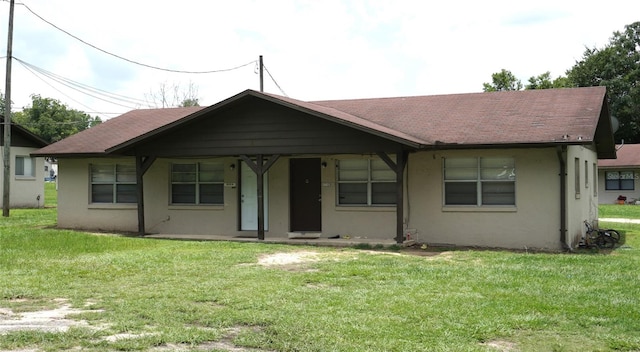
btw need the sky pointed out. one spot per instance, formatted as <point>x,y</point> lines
<point>312,50</point>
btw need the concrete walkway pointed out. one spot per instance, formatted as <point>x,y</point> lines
<point>330,242</point>
<point>627,221</point>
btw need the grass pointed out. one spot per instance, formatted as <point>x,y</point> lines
<point>626,211</point>
<point>50,195</point>
<point>187,294</point>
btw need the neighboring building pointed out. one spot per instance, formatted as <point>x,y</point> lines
<point>618,178</point>
<point>50,170</point>
<point>26,188</point>
<point>504,169</point>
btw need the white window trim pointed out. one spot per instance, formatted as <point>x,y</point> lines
<point>370,181</point>
<point>114,184</point>
<point>197,183</point>
<point>478,181</point>
<point>33,168</point>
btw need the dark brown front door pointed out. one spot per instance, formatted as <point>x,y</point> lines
<point>306,209</point>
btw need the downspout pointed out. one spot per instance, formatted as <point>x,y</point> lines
<point>561,150</point>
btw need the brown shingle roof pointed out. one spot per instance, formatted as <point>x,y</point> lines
<point>512,117</point>
<point>628,156</point>
<point>502,118</point>
<point>133,124</point>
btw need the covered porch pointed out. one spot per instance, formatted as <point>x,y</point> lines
<point>258,130</point>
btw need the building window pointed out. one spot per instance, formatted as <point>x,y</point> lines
<point>595,179</point>
<point>479,181</point>
<point>25,166</point>
<point>576,171</point>
<point>366,182</point>
<point>619,180</point>
<point>197,183</point>
<point>586,174</point>
<point>113,183</point>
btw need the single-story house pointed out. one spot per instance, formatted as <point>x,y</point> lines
<point>513,169</point>
<point>618,178</point>
<point>26,186</point>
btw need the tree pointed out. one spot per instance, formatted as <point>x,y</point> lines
<point>503,80</point>
<point>616,66</point>
<point>52,120</point>
<point>544,81</point>
<point>172,96</point>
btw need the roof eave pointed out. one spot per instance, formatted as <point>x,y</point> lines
<point>69,155</point>
<point>498,145</point>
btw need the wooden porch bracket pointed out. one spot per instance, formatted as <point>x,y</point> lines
<point>398,166</point>
<point>142,166</point>
<point>260,167</point>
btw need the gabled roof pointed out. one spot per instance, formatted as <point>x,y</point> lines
<point>530,117</point>
<point>628,156</point>
<point>133,124</point>
<point>35,140</point>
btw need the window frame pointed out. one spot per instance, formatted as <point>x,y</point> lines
<point>212,167</point>
<point>372,169</point>
<point>619,181</point>
<point>32,163</point>
<point>478,181</point>
<point>119,178</point>
<point>595,179</point>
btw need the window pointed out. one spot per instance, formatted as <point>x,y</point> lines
<point>595,179</point>
<point>113,183</point>
<point>197,183</point>
<point>576,172</point>
<point>586,174</point>
<point>25,166</point>
<point>479,181</point>
<point>619,180</point>
<point>366,182</point>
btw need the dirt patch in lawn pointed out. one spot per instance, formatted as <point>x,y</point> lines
<point>51,320</point>
<point>288,258</point>
<point>502,346</point>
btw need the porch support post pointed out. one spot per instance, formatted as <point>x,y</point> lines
<point>260,167</point>
<point>142,165</point>
<point>398,166</point>
<point>401,162</point>
<point>260,180</point>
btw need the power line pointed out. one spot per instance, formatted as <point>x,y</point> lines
<point>274,81</point>
<point>129,60</point>
<point>69,83</point>
<point>31,69</point>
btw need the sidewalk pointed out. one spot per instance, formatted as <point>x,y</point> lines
<point>628,221</point>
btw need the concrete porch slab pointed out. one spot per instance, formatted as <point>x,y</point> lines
<point>329,242</point>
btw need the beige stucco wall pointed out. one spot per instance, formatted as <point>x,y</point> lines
<point>582,200</point>
<point>534,222</point>
<point>24,191</point>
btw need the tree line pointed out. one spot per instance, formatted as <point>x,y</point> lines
<point>52,120</point>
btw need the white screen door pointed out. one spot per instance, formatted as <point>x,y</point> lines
<point>249,199</point>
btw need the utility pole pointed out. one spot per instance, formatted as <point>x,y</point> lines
<point>6,180</point>
<point>261,74</point>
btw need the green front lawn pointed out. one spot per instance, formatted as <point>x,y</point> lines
<point>177,295</point>
<point>626,211</point>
